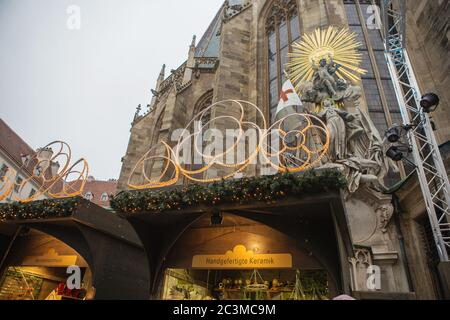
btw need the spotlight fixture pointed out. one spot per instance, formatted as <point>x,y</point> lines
<point>395,154</point>
<point>216,218</point>
<point>393,134</point>
<point>396,132</point>
<point>398,152</point>
<point>429,102</point>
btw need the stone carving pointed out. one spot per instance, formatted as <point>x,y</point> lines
<point>318,65</point>
<point>359,264</point>
<point>233,8</point>
<point>341,91</point>
<point>356,145</point>
<point>334,119</point>
<point>174,80</point>
<point>385,213</point>
<point>137,115</point>
<point>323,79</point>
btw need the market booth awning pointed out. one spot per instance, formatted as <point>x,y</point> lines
<point>282,202</point>
<point>106,242</point>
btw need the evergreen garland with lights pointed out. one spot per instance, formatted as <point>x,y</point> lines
<point>264,188</point>
<point>43,209</point>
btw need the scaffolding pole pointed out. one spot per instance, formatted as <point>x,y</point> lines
<point>431,171</point>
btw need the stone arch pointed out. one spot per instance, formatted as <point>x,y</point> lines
<point>318,223</point>
<point>106,242</point>
<point>204,101</point>
<point>305,240</point>
<point>159,119</point>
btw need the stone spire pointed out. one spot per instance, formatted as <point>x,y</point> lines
<point>137,114</point>
<point>190,64</point>
<point>155,91</point>
<point>161,77</point>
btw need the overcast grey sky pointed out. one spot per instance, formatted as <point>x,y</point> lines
<point>83,86</point>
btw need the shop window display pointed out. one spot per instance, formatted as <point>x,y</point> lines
<point>37,283</point>
<point>20,285</point>
<point>39,270</point>
<point>182,284</point>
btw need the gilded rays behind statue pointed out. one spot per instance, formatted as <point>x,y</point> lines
<point>330,47</point>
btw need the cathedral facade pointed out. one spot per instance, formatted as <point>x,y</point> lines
<point>369,242</point>
<point>266,167</point>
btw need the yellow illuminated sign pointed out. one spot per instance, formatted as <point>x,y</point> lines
<point>50,259</point>
<point>241,258</point>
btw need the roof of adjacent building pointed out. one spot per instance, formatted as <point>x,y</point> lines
<point>12,144</point>
<point>97,188</point>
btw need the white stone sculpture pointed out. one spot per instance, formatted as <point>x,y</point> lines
<point>356,146</point>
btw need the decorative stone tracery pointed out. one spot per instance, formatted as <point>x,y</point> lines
<point>281,10</point>
<point>175,79</point>
<point>232,10</point>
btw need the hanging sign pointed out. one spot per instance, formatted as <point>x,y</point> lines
<point>50,259</point>
<point>241,258</point>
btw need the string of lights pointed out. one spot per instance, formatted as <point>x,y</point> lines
<point>174,165</point>
<point>51,171</point>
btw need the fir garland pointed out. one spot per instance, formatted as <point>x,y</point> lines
<point>49,208</point>
<point>265,188</point>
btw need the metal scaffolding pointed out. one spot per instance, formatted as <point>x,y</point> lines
<point>425,150</point>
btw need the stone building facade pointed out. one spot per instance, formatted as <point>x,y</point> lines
<point>428,32</point>
<point>242,56</point>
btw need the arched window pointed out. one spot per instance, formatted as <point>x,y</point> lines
<point>104,197</point>
<point>282,30</point>
<point>204,102</point>
<point>155,167</point>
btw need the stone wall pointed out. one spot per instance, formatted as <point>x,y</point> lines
<point>241,74</point>
<point>428,32</point>
<point>176,110</point>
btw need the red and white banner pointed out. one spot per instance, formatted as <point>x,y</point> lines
<point>289,99</point>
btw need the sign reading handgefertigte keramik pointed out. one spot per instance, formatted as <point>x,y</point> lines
<point>241,258</point>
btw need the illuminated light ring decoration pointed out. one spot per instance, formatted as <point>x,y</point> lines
<point>70,187</point>
<point>240,121</point>
<point>148,158</point>
<point>6,185</point>
<point>215,160</point>
<point>52,184</point>
<point>173,160</point>
<point>341,45</point>
<point>308,128</point>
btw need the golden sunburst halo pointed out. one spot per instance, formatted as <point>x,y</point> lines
<point>338,44</point>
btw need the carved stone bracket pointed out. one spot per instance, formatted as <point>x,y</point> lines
<point>230,11</point>
<point>382,255</point>
<point>175,79</point>
<point>206,63</point>
<point>381,203</point>
<point>183,87</point>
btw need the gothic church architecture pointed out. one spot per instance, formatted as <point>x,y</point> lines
<point>243,55</point>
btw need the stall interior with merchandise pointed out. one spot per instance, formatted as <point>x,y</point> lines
<point>242,259</point>
<point>190,284</point>
<point>39,269</point>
